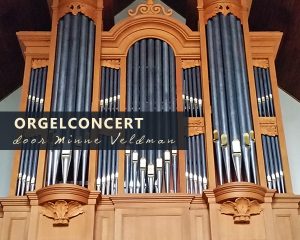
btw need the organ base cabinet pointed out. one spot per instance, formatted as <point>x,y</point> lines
<point>229,181</point>
<point>149,216</point>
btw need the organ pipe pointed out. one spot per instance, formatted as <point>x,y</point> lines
<point>272,155</point>
<point>151,87</point>
<point>34,108</point>
<point>72,86</point>
<point>107,173</point>
<point>232,118</point>
<point>196,178</point>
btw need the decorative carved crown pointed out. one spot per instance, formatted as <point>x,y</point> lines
<point>149,8</point>
<point>61,211</point>
<point>241,209</point>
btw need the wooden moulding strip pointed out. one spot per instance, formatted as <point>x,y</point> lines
<point>137,200</point>
<point>153,198</point>
<point>181,153</point>
<point>13,202</point>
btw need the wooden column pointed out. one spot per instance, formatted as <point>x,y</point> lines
<point>121,159</point>
<point>181,153</point>
<point>96,88</point>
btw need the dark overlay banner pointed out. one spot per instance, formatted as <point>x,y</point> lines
<point>130,130</point>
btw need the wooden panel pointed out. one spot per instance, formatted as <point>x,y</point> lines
<point>77,229</point>
<point>17,229</point>
<point>287,224</point>
<point>253,231</point>
<point>151,224</point>
<point>199,225</point>
<point>104,225</point>
<point>283,227</point>
<point>14,226</point>
<point>1,223</point>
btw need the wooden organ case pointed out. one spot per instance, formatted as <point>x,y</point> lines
<point>232,183</point>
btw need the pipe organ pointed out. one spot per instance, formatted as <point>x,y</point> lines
<point>231,180</point>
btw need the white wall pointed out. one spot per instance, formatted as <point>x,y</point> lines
<point>11,103</point>
<point>291,120</point>
<point>290,109</point>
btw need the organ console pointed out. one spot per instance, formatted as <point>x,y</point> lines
<point>231,181</point>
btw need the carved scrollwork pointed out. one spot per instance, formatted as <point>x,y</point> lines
<point>39,63</point>
<point>61,211</point>
<point>111,64</point>
<point>196,126</point>
<point>241,209</point>
<point>224,8</point>
<point>268,126</point>
<point>190,63</point>
<point>149,8</point>
<point>78,7</point>
<point>261,63</point>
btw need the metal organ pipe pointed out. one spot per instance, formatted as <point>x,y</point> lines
<point>215,101</point>
<point>272,155</point>
<point>222,109</point>
<point>158,106</point>
<point>88,87</point>
<point>196,177</point>
<point>231,107</point>
<point>34,108</point>
<point>151,87</point>
<point>107,173</point>
<point>72,88</point>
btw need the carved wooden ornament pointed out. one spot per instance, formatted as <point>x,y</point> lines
<point>88,8</point>
<point>241,209</point>
<point>149,8</point>
<point>261,63</point>
<point>61,211</point>
<point>190,63</point>
<point>224,8</point>
<point>111,64</point>
<point>196,126</point>
<point>268,126</point>
<point>39,63</point>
